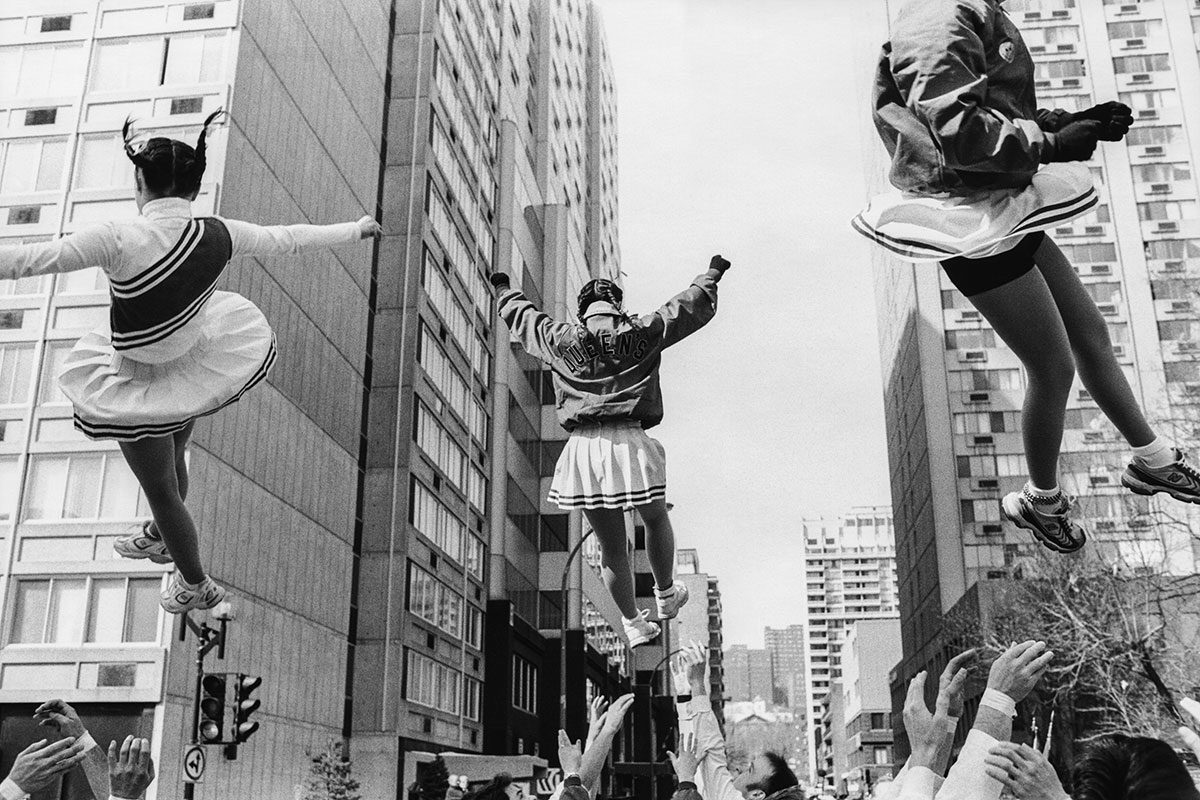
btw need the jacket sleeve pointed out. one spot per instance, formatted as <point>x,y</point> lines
<point>90,247</point>
<point>938,62</point>
<point>573,789</point>
<point>536,330</point>
<point>689,311</point>
<point>687,791</point>
<point>249,239</point>
<point>713,778</point>
<point>967,779</point>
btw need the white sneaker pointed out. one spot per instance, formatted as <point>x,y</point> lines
<point>670,601</point>
<point>640,629</point>
<point>178,597</point>
<point>141,544</point>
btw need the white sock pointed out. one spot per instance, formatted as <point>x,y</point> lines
<point>1042,494</point>
<point>1155,455</point>
<point>665,592</point>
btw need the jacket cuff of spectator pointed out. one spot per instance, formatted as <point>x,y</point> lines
<point>9,790</point>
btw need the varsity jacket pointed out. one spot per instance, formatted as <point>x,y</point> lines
<point>954,100</point>
<point>609,377</point>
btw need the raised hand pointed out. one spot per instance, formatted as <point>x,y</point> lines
<point>1024,771</point>
<point>570,756</point>
<point>130,769</point>
<point>1115,119</point>
<point>499,280</point>
<point>597,711</point>
<point>60,716</point>
<point>951,683</point>
<point>685,762</point>
<point>719,264</point>
<point>616,713</point>
<point>39,764</point>
<point>368,227</point>
<point>1019,668</point>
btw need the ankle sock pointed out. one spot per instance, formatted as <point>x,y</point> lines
<point>1155,455</point>
<point>665,592</point>
<point>1042,494</point>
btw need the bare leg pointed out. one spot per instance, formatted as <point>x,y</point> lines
<point>1023,314</point>
<point>1092,347</point>
<point>153,463</point>
<point>609,524</point>
<point>660,542</point>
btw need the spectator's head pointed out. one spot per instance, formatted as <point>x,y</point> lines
<point>500,787</point>
<point>167,167</point>
<point>1120,767</point>
<point>767,775</point>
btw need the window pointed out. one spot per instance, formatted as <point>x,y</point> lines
<point>434,601</point>
<point>73,611</point>
<point>447,380</point>
<point>1160,135</point>
<point>524,685</point>
<point>1161,173</point>
<point>24,215</point>
<point>1173,249</point>
<point>1150,99</point>
<point>199,11</point>
<point>187,105</point>
<point>1053,70</point>
<point>1167,210</point>
<point>985,422</point>
<point>979,511</point>
<point>970,340</point>
<point>1051,36</point>
<point>1104,292</point>
<point>102,163</point>
<point>435,685</point>
<point>1155,62</point>
<point>126,64</point>
<point>437,522</point>
<point>1135,29</point>
<point>33,165</point>
<point>881,755</point>
<point>977,380</point>
<point>440,446</point>
<point>81,486</point>
<point>8,486</point>
<point>55,24</point>
<point>16,372</point>
<point>40,70</point>
<point>192,58</point>
<point>41,116</point>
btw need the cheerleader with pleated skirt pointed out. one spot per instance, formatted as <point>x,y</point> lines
<point>979,175</point>
<point>605,370</point>
<point>175,349</point>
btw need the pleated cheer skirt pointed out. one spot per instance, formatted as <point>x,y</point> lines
<point>938,227</point>
<point>615,465</point>
<point>116,397</point>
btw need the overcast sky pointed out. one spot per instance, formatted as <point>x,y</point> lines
<point>741,132</point>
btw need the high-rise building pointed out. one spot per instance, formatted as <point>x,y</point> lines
<point>953,392</point>
<point>351,502</point>
<point>748,674</point>
<point>829,751</point>
<point>786,646</point>
<point>871,649</point>
<point>701,621</point>
<point>849,575</point>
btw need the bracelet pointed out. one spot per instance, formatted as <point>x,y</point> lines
<point>999,701</point>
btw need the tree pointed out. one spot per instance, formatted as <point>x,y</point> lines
<point>433,781</point>
<point>329,775</point>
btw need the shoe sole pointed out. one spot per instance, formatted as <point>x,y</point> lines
<point>675,613</point>
<point>186,607</point>
<point>641,639</point>
<point>141,554</point>
<point>1017,517</point>
<point>1147,490</point>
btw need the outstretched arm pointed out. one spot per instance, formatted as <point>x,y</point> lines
<point>691,309</point>
<point>699,725</point>
<point>535,329</point>
<point>60,716</point>
<point>249,239</point>
<point>90,247</point>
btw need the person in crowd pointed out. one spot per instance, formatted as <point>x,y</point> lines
<point>685,763</point>
<point>768,776</point>
<point>175,349</point>
<point>980,174</point>
<point>606,724</point>
<point>40,764</point>
<point>1113,767</point>
<point>605,369</point>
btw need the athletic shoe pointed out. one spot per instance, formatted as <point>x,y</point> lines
<point>178,598</point>
<point>1178,479</point>
<point>142,545</point>
<point>1048,520</point>
<point>670,601</point>
<point>640,629</point>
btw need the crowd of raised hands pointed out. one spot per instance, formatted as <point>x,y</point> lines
<point>122,772</point>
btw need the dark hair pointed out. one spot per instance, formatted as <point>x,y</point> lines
<point>1118,767</point>
<point>600,289</point>
<point>169,167</point>
<point>494,789</point>
<point>781,776</point>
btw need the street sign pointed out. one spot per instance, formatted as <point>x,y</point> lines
<point>193,764</point>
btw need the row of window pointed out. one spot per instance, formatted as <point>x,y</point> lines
<point>453,387</point>
<point>85,610</point>
<point>524,684</point>
<point>437,522</point>
<point>479,98</point>
<point>434,685</point>
<point>459,252</point>
<point>72,486</point>
<point>457,114</point>
<point>463,192</point>
<point>457,322</point>
<point>438,604</point>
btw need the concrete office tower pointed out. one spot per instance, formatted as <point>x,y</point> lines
<point>871,649</point>
<point>829,752</point>
<point>273,478</point>
<point>748,674</point>
<point>953,393</point>
<point>849,575</point>
<point>700,621</point>
<point>786,646</point>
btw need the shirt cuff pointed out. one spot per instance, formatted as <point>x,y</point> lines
<point>920,782</point>
<point>688,785</point>
<point>9,790</point>
<point>87,741</point>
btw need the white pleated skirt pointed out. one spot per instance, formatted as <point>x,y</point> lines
<point>923,228</point>
<point>116,397</point>
<point>614,465</point>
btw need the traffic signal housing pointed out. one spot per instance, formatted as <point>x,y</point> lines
<point>210,722</point>
<point>244,705</point>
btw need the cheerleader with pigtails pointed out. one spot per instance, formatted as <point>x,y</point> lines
<point>175,348</point>
<point>605,370</point>
<point>980,175</point>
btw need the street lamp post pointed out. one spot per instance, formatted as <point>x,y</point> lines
<point>562,641</point>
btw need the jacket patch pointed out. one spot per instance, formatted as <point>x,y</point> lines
<point>1008,50</point>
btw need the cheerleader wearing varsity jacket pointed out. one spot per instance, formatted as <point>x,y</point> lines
<point>980,174</point>
<point>605,371</point>
<point>175,348</point>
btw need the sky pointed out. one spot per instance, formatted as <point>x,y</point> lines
<point>741,132</point>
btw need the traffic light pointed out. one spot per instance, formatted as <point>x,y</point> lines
<point>211,722</point>
<point>243,706</point>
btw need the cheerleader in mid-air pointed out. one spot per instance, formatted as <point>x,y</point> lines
<point>175,348</point>
<point>605,370</point>
<point>980,175</point>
